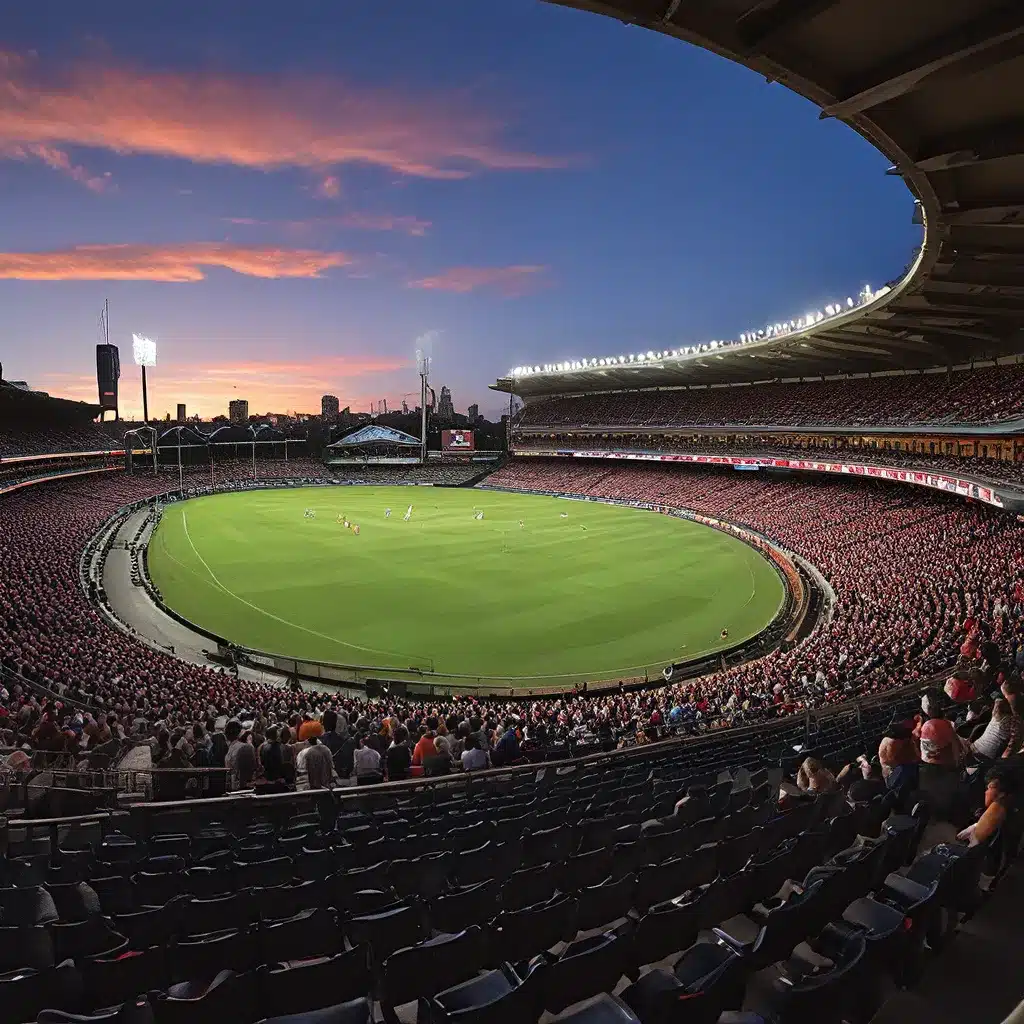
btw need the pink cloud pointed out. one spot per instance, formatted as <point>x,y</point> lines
<point>317,123</point>
<point>510,281</point>
<point>57,160</point>
<point>173,263</point>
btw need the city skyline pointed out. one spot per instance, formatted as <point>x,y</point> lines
<point>289,209</point>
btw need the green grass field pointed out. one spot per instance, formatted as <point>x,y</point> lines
<point>606,592</point>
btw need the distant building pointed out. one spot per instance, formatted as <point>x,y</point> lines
<point>181,412</point>
<point>445,410</point>
<point>329,406</point>
<point>238,410</point>
<point>474,413</point>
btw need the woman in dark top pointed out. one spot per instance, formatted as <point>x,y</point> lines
<point>398,758</point>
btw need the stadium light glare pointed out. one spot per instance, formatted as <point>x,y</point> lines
<point>143,350</point>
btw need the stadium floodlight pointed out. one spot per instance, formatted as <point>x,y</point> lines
<point>144,350</point>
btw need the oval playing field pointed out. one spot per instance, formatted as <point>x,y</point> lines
<point>579,591</point>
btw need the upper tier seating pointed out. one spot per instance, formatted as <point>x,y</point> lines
<point>988,395</point>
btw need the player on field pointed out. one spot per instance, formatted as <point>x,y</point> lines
<point>309,514</point>
<point>563,515</point>
<point>478,514</point>
<point>387,513</point>
<point>522,525</point>
<point>408,514</point>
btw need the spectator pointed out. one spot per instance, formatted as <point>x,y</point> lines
<point>473,758</point>
<point>814,777</point>
<point>240,759</point>
<point>999,793</point>
<point>991,743</point>
<point>398,758</point>
<point>366,762</point>
<point>318,764</point>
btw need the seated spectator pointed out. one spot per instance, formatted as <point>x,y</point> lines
<point>425,747</point>
<point>870,782</point>
<point>999,793</point>
<point>506,750</point>
<point>814,777</point>
<point>992,742</point>
<point>366,762</point>
<point>899,756</point>
<point>441,762</point>
<point>473,758</point>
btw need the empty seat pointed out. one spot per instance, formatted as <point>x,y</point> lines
<point>430,967</point>
<point>497,997</point>
<point>311,984</point>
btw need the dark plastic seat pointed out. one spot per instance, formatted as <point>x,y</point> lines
<point>311,933</point>
<point>523,934</point>
<point>603,905</point>
<point>459,909</point>
<point>135,1012</point>
<point>227,996</point>
<point>531,886</point>
<point>585,968</point>
<point>665,929</point>
<point>311,984</point>
<point>425,877</point>
<point>601,1009</point>
<point>356,1011</point>
<point>115,893</point>
<point>30,946</point>
<point>120,976</point>
<point>26,992</point>
<point>23,907</point>
<point>429,968</point>
<point>387,931</point>
<point>90,937</point>
<point>497,997</point>
<point>196,957</point>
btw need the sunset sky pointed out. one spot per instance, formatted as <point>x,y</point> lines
<point>285,198</point>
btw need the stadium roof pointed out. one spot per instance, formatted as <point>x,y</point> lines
<point>16,401</point>
<point>376,435</point>
<point>936,86</point>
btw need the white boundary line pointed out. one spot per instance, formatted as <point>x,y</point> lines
<point>277,618</point>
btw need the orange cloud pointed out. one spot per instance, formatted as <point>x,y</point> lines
<point>510,281</point>
<point>268,386</point>
<point>361,221</point>
<point>249,121</point>
<point>176,263</point>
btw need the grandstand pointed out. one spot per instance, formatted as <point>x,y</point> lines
<point>784,841</point>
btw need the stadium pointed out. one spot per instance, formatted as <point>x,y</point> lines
<point>691,693</point>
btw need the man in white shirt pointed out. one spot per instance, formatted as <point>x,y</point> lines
<point>365,760</point>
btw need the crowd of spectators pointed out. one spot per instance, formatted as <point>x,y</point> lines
<point>750,446</point>
<point>987,395</point>
<point>921,583</point>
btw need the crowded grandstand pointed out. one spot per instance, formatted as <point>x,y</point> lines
<point>801,830</point>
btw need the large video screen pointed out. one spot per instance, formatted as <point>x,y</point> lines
<point>457,441</point>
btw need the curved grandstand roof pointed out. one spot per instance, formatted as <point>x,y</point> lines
<point>936,85</point>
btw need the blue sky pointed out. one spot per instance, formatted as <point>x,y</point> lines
<point>285,204</point>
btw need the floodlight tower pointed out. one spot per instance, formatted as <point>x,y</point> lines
<point>144,351</point>
<point>423,361</point>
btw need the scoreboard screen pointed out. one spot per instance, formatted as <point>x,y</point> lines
<point>457,441</point>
